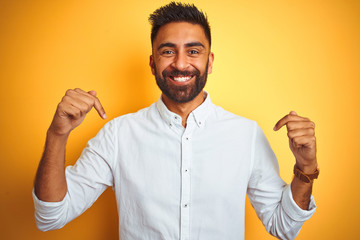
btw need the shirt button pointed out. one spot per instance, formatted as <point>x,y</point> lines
<point>170,125</point>
<point>186,170</point>
<point>199,123</point>
<point>176,117</point>
<point>187,138</point>
<point>186,205</point>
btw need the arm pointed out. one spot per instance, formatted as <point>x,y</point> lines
<point>50,183</point>
<point>271,198</point>
<point>302,142</point>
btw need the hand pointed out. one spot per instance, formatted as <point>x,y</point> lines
<point>302,141</point>
<point>72,110</point>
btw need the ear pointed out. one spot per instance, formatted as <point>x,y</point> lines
<point>151,64</point>
<point>210,64</point>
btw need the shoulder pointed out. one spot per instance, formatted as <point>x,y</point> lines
<point>223,116</point>
<point>141,115</point>
<point>143,118</point>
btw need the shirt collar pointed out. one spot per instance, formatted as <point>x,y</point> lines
<point>199,115</point>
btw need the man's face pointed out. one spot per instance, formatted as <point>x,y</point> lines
<point>181,60</point>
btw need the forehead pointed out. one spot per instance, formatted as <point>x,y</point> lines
<point>181,33</point>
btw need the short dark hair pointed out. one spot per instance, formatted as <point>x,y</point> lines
<point>178,12</point>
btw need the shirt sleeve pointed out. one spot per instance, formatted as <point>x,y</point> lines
<point>270,196</point>
<point>86,181</point>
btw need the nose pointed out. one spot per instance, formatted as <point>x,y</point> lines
<point>180,61</point>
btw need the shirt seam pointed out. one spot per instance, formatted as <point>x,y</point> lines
<point>252,157</point>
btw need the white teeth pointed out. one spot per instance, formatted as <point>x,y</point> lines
<point>182,79</point>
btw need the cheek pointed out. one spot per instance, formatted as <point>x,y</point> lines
<point>200,64</point>
<point>161,65</point>
<point>201,68</point>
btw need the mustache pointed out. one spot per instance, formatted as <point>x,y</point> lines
<point>176,73</point>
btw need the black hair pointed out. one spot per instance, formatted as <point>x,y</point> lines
<point>178,12</point>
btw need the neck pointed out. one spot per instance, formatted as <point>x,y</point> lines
<point>184,109</point>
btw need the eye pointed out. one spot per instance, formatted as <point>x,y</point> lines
<point>167,52</point>
<point>193,52</point>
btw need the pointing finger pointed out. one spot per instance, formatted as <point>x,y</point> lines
<point>95,101</point>
<point>89,98</point>
<point>98,107</point>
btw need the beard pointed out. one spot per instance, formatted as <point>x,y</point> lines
<point>181,94</point>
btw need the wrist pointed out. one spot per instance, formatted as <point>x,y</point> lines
<point>53,135</point>
<point>309,168</point>
<point>55,131</point>
<point>307,177</point>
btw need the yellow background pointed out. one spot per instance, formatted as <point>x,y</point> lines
<point>270,57</point>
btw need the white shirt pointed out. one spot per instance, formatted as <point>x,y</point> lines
<point>182,183</point>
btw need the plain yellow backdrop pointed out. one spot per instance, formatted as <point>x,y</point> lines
<point>270,57</point>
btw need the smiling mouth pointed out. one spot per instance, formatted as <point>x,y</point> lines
<point>181,78</point>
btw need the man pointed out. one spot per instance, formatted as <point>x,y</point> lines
<point>182,167</point>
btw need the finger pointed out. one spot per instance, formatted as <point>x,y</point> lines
<point>300,125</point>
<point>92,92</point>
<point>97,105</point>
<point>301,132</point>
<point>92,100</point>
<point>83,106</point>
<point>303,141</point>
<point>89,94</point>
<point>79,101</point>
<point>99,108</point>
<point>69,111</point>
<point>79,90</point>
<point>74,112</point>
<point>287,118</point>
<point>79,95</point>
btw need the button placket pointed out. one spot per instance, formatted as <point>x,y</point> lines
<point>185,182</point>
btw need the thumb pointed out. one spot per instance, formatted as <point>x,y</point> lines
<point>92,92</point>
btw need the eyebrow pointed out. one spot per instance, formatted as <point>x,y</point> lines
<point>194,44</point>
<point>167,44</point>
<point>191,44</point>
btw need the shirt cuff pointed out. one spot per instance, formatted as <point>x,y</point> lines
<point>41,204</point>
<point>293,210</point>
<point>48,214</point>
